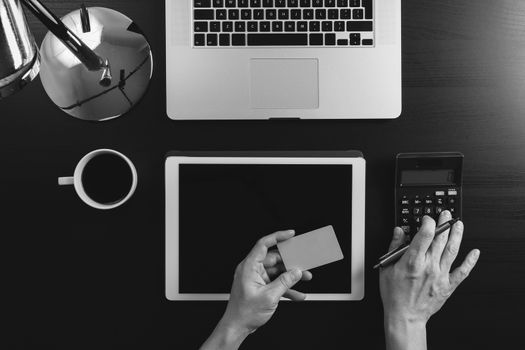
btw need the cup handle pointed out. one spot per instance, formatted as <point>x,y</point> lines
<point>65,181</point>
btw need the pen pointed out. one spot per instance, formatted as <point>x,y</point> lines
<point>395,254</point>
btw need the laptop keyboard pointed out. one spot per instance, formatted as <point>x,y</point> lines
<point>276,23</point>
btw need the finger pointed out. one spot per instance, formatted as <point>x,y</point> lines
<point>284,282</point>
<point>398,239</point>
<point>452,248</point>
<point>260,249</point>
<point>272,258</point>
<point>278,269</point>
<point>438,244</point>
<point>459,274</point>
<point>294,295</point>
<point>423,239</point>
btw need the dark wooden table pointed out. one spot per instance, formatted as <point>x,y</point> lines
<point>78,278</point>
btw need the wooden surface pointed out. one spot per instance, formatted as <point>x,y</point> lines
<point>78,278</point>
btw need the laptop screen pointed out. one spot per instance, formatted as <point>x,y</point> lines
<point>225,208</point>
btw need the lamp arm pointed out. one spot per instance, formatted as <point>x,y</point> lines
<point>88,57</point>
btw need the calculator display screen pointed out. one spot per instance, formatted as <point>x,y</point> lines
<point>225,208</point>
<point>428,177</point>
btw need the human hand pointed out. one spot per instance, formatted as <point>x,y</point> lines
<point>260,281</point>
<point>419,284</point>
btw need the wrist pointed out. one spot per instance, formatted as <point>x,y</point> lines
<point>402,332</point>
<point>231,332</point>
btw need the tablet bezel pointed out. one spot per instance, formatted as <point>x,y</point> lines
<point>172,221</point>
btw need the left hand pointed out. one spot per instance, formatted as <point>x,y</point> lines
<point>259,283</point>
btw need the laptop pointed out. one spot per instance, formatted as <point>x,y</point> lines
<point>265,59</point>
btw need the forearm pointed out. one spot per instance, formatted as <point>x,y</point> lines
<point>225,337</point>
<point>403,334</point>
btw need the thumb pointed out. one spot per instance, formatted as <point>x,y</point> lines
<point>285,281</point>
<point>397,239</point>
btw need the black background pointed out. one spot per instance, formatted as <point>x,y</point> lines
<point>224,209</point>
<point>79,278</point>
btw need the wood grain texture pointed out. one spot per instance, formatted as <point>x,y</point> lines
<point>78,278</point>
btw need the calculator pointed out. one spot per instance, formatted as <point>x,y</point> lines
<point>427,184</point>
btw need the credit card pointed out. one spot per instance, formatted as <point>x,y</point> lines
<point>310,250</point>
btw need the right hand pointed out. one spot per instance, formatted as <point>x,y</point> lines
<point>419,284</point>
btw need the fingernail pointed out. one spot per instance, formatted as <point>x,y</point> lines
<point>475,255</point>
<point>445,214</point>
<point>297,274</point>
<point>291,231</point>
<point>459,224</point>
<point>398,232</point>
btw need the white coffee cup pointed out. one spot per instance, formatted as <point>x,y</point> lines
<point>76,180</point>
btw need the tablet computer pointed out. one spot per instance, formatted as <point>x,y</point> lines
<point>218,204</point>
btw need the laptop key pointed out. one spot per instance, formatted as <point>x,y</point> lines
<point>357,14</point>
<point>283,14</point>
<point>271,14</point>
<point>288,39</point>
<point>339,26</point>
<point>289,26</point>
<point>201,3</point>
<point>280,3</point>
<point>367,4</point>
<point>264,26</point>
<point>293,3</point>
<point>258,14</point>
<point>242,3</point>
<point>305,3</point>
<point>233,14</point>
<point>315,26</point>
<point>277,26</point>
<point>295,14</point>
<point>329,3</point>
<point>345,14</point>
<point>359,26</point>
<point>240,26</point>
<point>215,27</point>
<point>252,26</point>
<point>320,14</point>
<point>355,3</point>
<point>203,14</point>
<point>230,3</point>
<point>317,3</point>
<point>333,14</point>
<point>267,3</point>
<point>198,39</point>
<point>342,42</point>
<point>211,39</point>
<point>342,3</point>
<point>316,39</point>
<point>308,14</point>
<point>246,14</point>
<point>329,39</point>
<point>224,39</point>
<point>218,3</point>
<point>227,26</point>
<point>302,26</point>
<point>355,39</point>
<point>255,3</point>
<point>368,42</point>
<point>326,26</point>
<point>238,39</point>
<point>200,26</point>
<point>221,14</point>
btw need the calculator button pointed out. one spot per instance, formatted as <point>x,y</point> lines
<point>452,192</point>
<point>417,201</point>
<point>417,211</point>
<point>417,219</point>
<point>428,210</point>
<point>405,211</point>
<point>405,220</point>
<point>452,200</point>
<point>406,229</point>
<point>440,193</point>
<point>439,210</point>
<point>452,210</point>
<point>405,201</point>
<point>439,201</point>
<point>429,200</point>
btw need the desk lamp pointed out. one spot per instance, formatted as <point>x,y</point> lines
<point>95,64</point>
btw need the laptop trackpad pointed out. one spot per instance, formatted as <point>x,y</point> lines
<point>285,83</point>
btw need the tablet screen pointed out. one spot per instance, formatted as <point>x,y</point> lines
<point>225,208</point>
